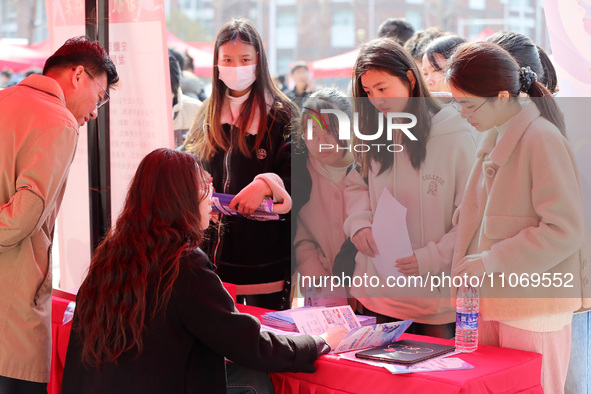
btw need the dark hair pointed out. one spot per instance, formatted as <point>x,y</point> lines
<point>81,51</point>
<point>33,70</point>
<point>327,98</point>
<point>133,270</point>
<point>386,55</point>
<point>549,79</point>
<point>178,56</point>
<point>416,45</point>
<point>445,46</point>
<point>188,63</point>
<point>397,29</point>
<point>523,50</point>
<point>484,69</point>
<point>206,135</point>
<point>6,73</point>
<point>299,64</point>
<point>175,74</point>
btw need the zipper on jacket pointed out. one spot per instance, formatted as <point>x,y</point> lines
<point>226,179</point>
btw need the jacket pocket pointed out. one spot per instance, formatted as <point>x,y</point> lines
<point>42,255</point>
<point>501,227</point>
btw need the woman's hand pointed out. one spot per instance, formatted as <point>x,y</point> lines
<point>408,266</point>
<point>334,336</point>
<point>471,265</point>
<point>363,241</point>
<point>251,197</point>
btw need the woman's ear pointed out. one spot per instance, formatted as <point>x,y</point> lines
<point>411,77</point>
<point>503,96</point>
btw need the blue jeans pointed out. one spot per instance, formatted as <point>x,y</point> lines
<point>578,379</point>
<point>241,380</point>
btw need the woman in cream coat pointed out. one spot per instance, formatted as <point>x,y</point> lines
<point>522,214</point>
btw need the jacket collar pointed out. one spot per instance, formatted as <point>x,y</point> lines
<point>44,84</point>
<point>500,152</point>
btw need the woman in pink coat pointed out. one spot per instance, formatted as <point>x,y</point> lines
<point>522,212</point>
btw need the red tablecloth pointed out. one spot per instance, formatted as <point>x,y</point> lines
<point>495,370</point>
<point>60,335</point>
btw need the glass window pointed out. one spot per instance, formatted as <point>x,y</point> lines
<point>477,4</point>
<point>287,32</point>
<point>342,32</point>
<point>415,18</point>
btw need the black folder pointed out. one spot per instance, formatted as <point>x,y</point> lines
<point>405,352</point>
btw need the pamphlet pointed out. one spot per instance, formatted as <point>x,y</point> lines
<point>221,205</point>
<point>284,321</point>
<point>316,321</point>
<point>325,296</point>
<point>372,336</point>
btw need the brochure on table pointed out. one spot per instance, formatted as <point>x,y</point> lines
<point>318,321</point>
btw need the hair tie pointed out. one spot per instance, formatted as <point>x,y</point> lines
<point>527,78</point>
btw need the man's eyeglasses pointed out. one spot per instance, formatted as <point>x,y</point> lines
<point>105,98</point>
<point>458,107</point>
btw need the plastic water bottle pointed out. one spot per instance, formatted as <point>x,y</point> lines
<point>467,304</point>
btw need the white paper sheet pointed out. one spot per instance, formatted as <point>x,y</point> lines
<point>390,234</point>
<point>442,363</point>
<point>316,321</point>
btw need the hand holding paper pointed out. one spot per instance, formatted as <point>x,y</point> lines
<point>364,242</point>
<point>335,335</point>
<point>318,321</point>
<point>408,265</point>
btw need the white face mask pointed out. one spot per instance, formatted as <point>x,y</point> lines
<point>238,78</point>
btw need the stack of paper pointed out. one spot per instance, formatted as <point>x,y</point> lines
<point>283,320</point>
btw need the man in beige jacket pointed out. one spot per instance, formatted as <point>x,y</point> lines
<point>39,122</point>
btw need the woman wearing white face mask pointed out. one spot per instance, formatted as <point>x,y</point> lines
<point>241,134</point>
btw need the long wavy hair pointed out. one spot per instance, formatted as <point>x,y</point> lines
<point>206,136</point>
<point>133,270</point>
<point>388,56</point>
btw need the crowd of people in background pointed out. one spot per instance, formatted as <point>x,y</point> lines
<point>487,126</point>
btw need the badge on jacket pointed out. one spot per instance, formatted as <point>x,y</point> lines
<point>261,154</point>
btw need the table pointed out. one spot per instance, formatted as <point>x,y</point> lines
<point>496,370</point>
<point>60,334</point>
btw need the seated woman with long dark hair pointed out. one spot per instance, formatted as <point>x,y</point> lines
<point>152,316</point>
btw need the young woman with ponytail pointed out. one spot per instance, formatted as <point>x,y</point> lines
<point>522,212</point>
